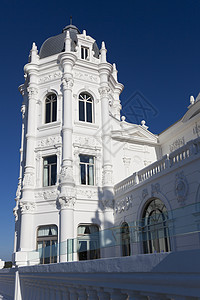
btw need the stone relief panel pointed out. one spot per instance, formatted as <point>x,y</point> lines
<point>87,194</point>
<point>177,144</point>
<point>196,129</point>
<point>47,195</point>
<point>123,204</point>
<point>50,141</point>
<point>86,77</point>
<point>181,187</point>
<point>89,142</point>
<point>50,77</point>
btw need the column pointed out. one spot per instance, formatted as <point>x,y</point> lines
<point>27,209</point>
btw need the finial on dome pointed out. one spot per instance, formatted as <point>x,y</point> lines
<point>114,72</point>
<point>103,52</point>
<point>67,42</point>
<point>123,118</point>
<point>84,32</point>
<point>192,100</point>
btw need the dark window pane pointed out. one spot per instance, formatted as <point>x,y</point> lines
<point>84,158</point>
<point>83,174</point>
<point>51,159</point>
<point>53,174</point>
<point>81,111</point>
<point>89,112</point>
<point>48,112</point>
<point>82,52</point>
<point>54,113</point>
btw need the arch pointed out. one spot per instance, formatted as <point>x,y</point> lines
<point>125,239</point>
<point>155,232</point>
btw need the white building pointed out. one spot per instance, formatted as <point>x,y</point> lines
<point>77,158</point>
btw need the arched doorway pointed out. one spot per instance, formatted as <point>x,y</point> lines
<point>155,230</point>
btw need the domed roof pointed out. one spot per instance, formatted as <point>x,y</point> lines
<point>56,44</point>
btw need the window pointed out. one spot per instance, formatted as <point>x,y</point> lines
<point>84,53</point>
<point>125,240</point>
<point>86,169</point>
<point>88,242</point>
<point>86,108</point>
<point>49,170</point>
<point>51,108</point>
<point>154,228</point>
<point>47,240</point>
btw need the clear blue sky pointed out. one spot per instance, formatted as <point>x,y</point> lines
<point>155,44</point>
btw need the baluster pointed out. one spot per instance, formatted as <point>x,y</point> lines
<point>92,294</point>
<point>136,296</point>
<point>73,294</point>
<point>81,294</point>
<point>117,294</point>
<point>103,295</point>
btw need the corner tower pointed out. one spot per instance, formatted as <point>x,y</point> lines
<point>70,96</point>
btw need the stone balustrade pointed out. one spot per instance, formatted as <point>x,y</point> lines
<point>168,276</point>
<point>165,164</point>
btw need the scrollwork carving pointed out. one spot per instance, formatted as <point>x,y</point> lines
<point>104,91</point>
<point>50,77</point>
<point>32,91</point>
<point>26,206</point>
<point>67,83</point>
<point>181,188</point>
<point>50,141</point>
<point>124,204</point>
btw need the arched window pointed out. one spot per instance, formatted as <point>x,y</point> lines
<point>50,108</point>
<point>47,240</point>
<point>88,242</point>
<point>86,108</point>
<point>155,228</point>
<point>125,240</point>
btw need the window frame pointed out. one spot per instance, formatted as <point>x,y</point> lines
<point>46,238</point>
<point>85,53</point>
<point>86,169</point>
<point>125,239</point>
<point>51,110</point>
<point>89,253</point>
<point>87,99</point>
<point>50,165</point>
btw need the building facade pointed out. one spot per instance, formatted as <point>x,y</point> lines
<point>84,170</point>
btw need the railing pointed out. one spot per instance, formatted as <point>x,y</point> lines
<point>164,276</point>
<point>168,161</point>
<point>174,226</point>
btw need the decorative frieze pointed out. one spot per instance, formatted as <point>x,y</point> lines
<point>87,193</point>
<point>26,206</point>
<point>123,204</point>
<point>50,141</point>
<point>86,77</point>
<point>47,195</point>
<point>87,142</point>
<point>50,77</point>
<point>181,187</point>
<point>177,144</point>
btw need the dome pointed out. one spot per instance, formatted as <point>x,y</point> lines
<point>55,44</point>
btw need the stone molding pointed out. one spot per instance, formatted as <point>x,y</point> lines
<point>47,194</point>
<point>86,142</point>
<point>86,77</point>
<point>50,77</point>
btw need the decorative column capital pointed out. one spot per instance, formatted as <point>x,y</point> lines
<point>66,174</point>
<point>104,91</point>
<point>32,92</point>
<point>27,207</point>
<point>67,83</point>
<point>67,198</point>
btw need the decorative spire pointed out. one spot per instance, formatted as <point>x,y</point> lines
<point>103,52</point>
<point>114,72</point>
<point>192,100</point>
<point>34,53</point>
<point>67,42</point>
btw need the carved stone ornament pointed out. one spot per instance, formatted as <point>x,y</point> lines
<point>87,193</point>
<point>50,141</point>
<point>66,174</point>
<point>27,206</point>
<point>67,83</point>
<point>15,213</point>
<point>107,177</point>
<point>32,91</point>
<point>86,142</point>
<point>23,110</point>
<point>144,193</point>
<point>47,195</point>
<point>124,204</point>
<point>155,188</point>
<point>18,192</point>
<point>104,91</point>
<point>196,129</point>
<point>50,77</point>
<point>177,144</point>
<point>181,187</point>
<point>66,202</point>
<point>86,77</point>
<point>28,179</point>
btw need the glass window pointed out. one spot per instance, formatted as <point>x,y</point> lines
<point>49,170</point>
<point>155,228</point>
<point>47,240</point>
<point>51,108</point>
<point>86,108</point>
<point>84,52</point>
<point>86,169</point>
<point>88,242</point>
<point>125,240</point>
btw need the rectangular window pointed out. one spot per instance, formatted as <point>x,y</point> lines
<point>49,170</point>
<point>86,169</point>
<point>84,52</point>
<point>47,239</point>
